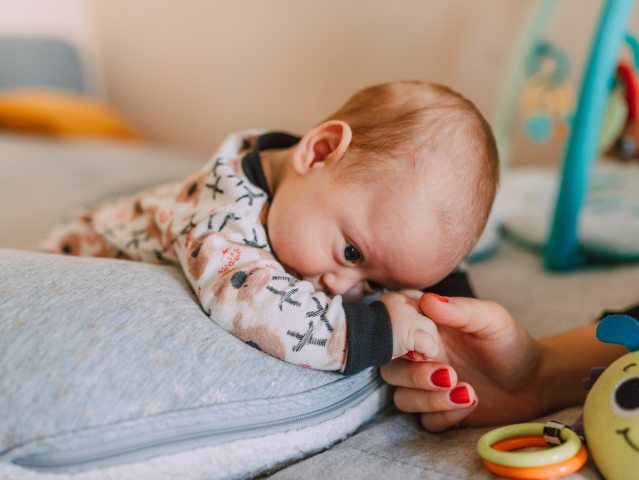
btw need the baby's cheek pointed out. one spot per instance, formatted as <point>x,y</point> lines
<point>300,262</point>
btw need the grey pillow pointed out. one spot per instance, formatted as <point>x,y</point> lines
<point>108,363</point>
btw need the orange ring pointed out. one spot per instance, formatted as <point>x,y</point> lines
<point>559,469</point>
<point>515,443</point>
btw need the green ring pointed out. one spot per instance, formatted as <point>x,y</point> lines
<point>570,447</point>
<point>615,117</point>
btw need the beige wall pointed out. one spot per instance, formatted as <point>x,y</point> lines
<point>191,71</point>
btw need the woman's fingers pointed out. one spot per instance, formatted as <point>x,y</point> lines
<point>440,421</point>
<point>430,388</point>
<point>419,401</point>
<point>468,315</point>
<point>432,376</point>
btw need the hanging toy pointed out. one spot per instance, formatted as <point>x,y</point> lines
<point>548,99</point>
<point>625,144</point>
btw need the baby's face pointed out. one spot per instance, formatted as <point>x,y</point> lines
<point>350,239</point>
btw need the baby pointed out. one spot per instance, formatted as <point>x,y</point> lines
<point>281,237</point>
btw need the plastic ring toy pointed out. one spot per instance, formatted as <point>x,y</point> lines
<point>515,443</point>
<point>569,448</point>
<point>559,469</point>
<point>616,115</point>
<point>628,76</point>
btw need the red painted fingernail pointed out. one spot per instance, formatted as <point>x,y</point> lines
<point>459,395</point>
<point>411,355</point>
<point>440,378</point>
<point>439,297</point>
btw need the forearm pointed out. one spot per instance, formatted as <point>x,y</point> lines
<point>566,359</point>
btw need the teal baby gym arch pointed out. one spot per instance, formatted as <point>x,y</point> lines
<point>592,214</point>
<point>563,250</point>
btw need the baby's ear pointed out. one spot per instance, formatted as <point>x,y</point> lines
<point>325,144</point>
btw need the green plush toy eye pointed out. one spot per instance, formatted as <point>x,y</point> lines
<point>611,411</point>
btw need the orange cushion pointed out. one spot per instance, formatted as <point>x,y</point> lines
<point>61,113</point>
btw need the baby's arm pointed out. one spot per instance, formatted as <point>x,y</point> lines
<point>247,292</point>
<point>75,235</point>
<point>243,288</point>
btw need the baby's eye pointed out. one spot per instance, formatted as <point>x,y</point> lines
<point>351,254</point>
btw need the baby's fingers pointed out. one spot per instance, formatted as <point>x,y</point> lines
<point>426,343</point>
<point>414,356</point>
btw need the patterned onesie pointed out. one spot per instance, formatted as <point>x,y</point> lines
<point>213,225</point>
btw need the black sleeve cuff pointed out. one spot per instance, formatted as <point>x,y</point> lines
<point>456,284</point>
<point>369,336</point>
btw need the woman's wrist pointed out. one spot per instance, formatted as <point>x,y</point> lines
<point>552,382</point>
<point>566,359</point>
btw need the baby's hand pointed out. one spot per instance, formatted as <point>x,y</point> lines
<point>412,330</point>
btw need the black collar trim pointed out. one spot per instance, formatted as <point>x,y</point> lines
<point>252,162</point>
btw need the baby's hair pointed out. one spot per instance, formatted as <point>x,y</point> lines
<point>414,120</point>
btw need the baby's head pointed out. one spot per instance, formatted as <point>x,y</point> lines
<point>393,189</point>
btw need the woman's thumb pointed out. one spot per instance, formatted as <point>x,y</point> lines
<point>465,314</point>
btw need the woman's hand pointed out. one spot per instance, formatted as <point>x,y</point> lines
<point>483,345</point>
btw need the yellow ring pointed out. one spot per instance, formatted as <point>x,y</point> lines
<point>569,447</point>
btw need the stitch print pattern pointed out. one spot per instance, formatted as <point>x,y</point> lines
<point>213,225</point>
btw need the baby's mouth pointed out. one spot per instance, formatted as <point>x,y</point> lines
<point>624,433</point>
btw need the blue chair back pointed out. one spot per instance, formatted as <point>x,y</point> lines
<point>41,62</point>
